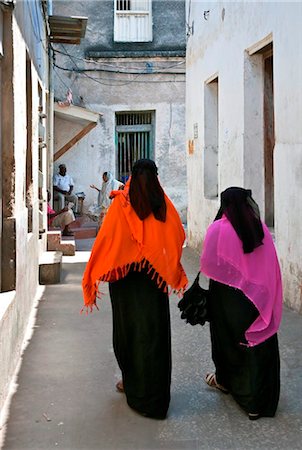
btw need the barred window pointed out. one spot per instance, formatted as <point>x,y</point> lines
<point>134,140</point>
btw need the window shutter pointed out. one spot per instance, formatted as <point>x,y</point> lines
<point>133,21</point>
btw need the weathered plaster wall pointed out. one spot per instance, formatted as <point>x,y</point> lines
<point>16,305</point>
<point>95,153</point>
<point>113,92</point>
<point>168,25</point>
<point>219,45</point>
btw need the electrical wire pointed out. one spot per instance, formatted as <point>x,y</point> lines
<point>116,83</point>
<point>69,87</point>
<point>85,75</point>
<point>72,57</point>
<point>135,80</point>
<point>83,70</point>
<point>119,82</point>
<point>115,66</point>
<point>61,79</point>
<point>95,79</point>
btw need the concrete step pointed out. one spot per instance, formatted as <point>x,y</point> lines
<point>84,228</point>
<point>53,239</point>
<point>83,232</point>
<point>56,243</point>
<point>50,267</point>
<point>67,246</point>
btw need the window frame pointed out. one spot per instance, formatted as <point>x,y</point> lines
<point>133,17</point>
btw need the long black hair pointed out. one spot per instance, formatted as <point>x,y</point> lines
<point>145,192</point>
<point>243,212</point>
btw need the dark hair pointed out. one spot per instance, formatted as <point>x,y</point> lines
<point>145,192</point>
<point>243,212</point>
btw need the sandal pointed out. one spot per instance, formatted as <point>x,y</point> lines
<point>211,381</point>
<point>120,386</point>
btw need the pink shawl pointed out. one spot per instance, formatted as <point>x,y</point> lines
<point>256,274</point>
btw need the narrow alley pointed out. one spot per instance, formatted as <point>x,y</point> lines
<point>65,391</point>
<point>197,100</point>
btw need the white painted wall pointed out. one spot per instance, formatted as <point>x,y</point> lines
<point>219,46</point>
<point>16,306</point>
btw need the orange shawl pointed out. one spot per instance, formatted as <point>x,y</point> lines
<point>124,239</point>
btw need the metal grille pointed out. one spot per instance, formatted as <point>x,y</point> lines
<point>131,147</point>
<point>123,5</point>
<point>134,140</point>
<point>132,5</point>
<point>134,118</point>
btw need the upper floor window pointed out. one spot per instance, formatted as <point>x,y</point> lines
<point>133,20</point>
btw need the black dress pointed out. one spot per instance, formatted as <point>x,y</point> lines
<point>251,374</point>
<point>142,342</point>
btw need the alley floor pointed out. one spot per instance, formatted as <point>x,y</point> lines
<point>66,397</point>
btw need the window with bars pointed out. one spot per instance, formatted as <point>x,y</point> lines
<point>134,140</point>
<point>133,20</point>
<point>134,118</point>
<point>132,5</point>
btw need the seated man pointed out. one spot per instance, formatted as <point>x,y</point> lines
<point>61,219</point>
<point>62,187</point>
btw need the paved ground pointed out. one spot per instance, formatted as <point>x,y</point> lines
<point>66,397</point>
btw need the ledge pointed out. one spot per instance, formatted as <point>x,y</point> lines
<point>135,54</point>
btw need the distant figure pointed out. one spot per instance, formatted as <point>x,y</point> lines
<point>109,184</point>
<point>245,304</point>
<point>138,251</point>
<point>63,187</point>
<point>61,219</point>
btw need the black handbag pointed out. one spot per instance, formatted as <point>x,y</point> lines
<point>193,305</point>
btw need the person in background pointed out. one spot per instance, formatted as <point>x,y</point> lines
<point>63,187</point>
<point>138,251</point>
<point>109,184</point>
<point>245,304</point>
<point>61,219</point>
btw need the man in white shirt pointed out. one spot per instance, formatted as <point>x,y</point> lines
<point>62,188</point>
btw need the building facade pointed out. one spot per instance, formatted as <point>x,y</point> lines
<point>23,160</point>
<point>130,69</point>
<point>243,115</point>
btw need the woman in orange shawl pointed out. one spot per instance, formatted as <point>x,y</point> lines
<point>138,251</point>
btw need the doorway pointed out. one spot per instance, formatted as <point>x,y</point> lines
<point>269,139</point>
<point>259,126</point>
<point>134,140</point>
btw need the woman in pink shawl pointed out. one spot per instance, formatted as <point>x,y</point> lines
<point>245,304</point>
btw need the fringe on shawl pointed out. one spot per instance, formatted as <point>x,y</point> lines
<point>92,292</point>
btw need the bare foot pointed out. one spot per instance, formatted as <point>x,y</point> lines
<point>120,386</point>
